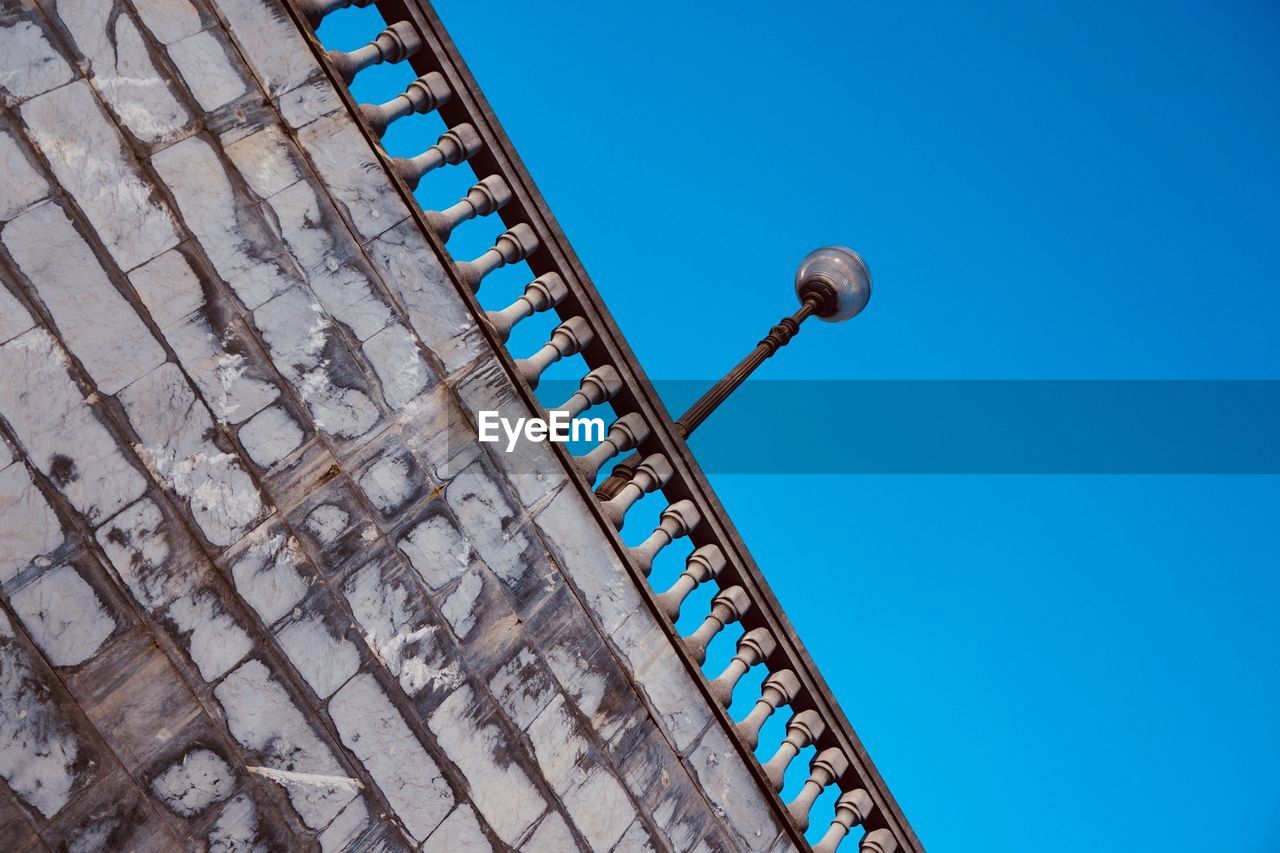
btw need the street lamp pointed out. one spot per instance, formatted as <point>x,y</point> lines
<point>832,284</point>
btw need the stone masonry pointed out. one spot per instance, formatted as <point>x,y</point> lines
<point>253,597</point>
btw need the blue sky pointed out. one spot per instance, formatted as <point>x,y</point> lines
<point>1085,191</point>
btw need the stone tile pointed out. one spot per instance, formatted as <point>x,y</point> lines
<point>42,757</point>
<point>169,287</point>
<point>218,352</point>
<point>352,175</point>
<point>635,840</point>
<point>243,825</point>
<point>270,571</point>
<point>355,829</point>
<point>263,719</point>
<point>29,528</point>
<point>270,436</point>
<point>94,320</point>
<point>14,318</point>
<point>733,790</point>
<point>88,158</point>
<point>307,103</point>
<point>122,70</point>
<point>229,228</point>
<point>460,833</point>
<point>318,649</point>
<point>203,61</point>
<point>592,679</point>
<point>587,557</point>
<point>306,349</point>
<point>167,575</point>
<point>493,524</point>
<point>193,783</point>
<point>29,63</point>
<point>523,687</point>
<point>178,446</point>
<point>375,732</point>
<point>63,615</point>
<point>113,814</point>
<point>600,809</point>
<point>169,20</point>
<point>270,42</point>
<point>403,632</point>
<point>23,184</point>
<point>662,678</point>
<point>267,160</point>
<point>400,367</point>
<point>411,270</point>
<point>500,788</point>
<point>551,836</point>
<point>436,548</point>
<point>62,434</point>
<point>136,698</point>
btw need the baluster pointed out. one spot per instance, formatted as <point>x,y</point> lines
<point>394,44</point>
<point>802,729</point>
<point>779,689</point>
<point>852,809</point>
<point>515,244</point>
<point>625,433</point>
<point>618,477</point>
<point>702,565</point>
<point>753,648</point>
<point>454,145</point>
<point>826,767</point>
<point>728,606</point>
<point>421,96</point>
<point>879,841</point>
<point>653,474</point>
<point>541,294</point>
<point>677,520</point>
<point>597,386</point>
<point>315,10</point>
<point>569,338</point>
<point>481,200</point>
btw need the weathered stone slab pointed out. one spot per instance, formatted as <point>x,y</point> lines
<point>401,630</point>
<point>29,528</point>
<point>202,60</point>
<point>663,679</point>
<point>115,814</point>
<point>169,20</point>
<point>374,731</point>
<point>460,833</point>
<point>169,287</point>
<point>231,231</point>
<point>733,791</point>
<point>436,548</point>
<point>60,431</point>
<point>551,836</point>
<point>89,160</point>
<point>270,571</point>
<point>41,758</point>
<point>352,175</point>
<point>356,829</point>
<point>499,787</point>
<point>194,782</point>
<point>263,719</point>
<point>29,63</point>
<point>270,436</point>
<point>523,687</point>
<point>307,103</point>
<point>270,42</point>
<point>177,445</point>
<point>14,317</point>
<point>63,615</point>
<point>410,269</point>
<point>94,320</point>
<point>307,351</point>
<point>267,160</point>
<point>121,69</point>
<point>400,367</point>
<point>168,577</point>
<point>635,840</point>
<point>216,349</point>
<point>317,649</point>
<point>21,183</point>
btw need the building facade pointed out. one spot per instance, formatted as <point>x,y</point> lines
<point>262,588</point>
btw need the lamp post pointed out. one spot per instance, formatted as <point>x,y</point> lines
<point>832,284</point>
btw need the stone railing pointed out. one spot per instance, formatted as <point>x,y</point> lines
<point>661,462</point>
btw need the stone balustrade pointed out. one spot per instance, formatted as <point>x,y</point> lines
<point>659,460</point>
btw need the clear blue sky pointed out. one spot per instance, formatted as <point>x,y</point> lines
<point>1082,191</point>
